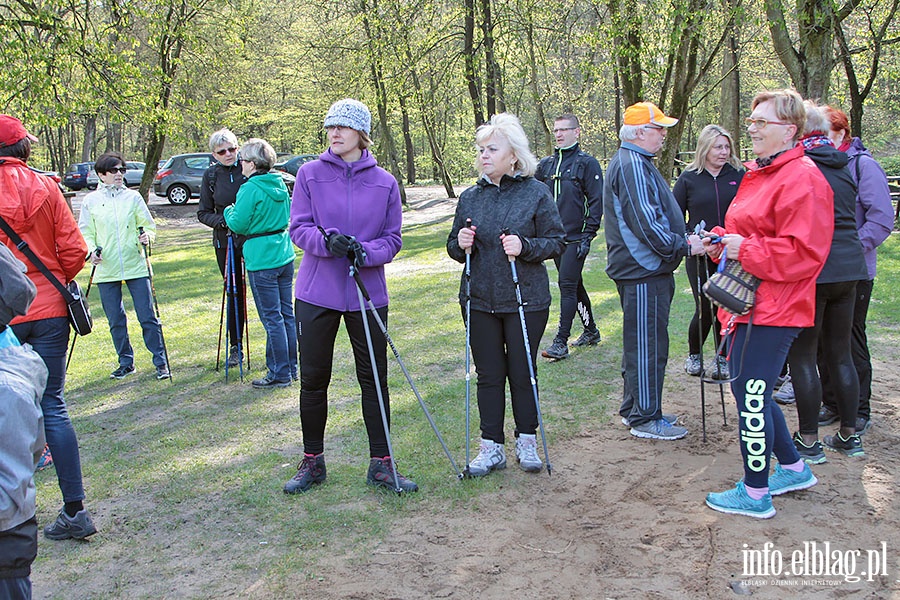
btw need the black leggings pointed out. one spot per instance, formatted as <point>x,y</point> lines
<point>318,329</point>
<point>573,298</point>
<point>703,309</point>
<point>236,313</point>
<point>859,350</point>
<point>834,318</point>
<point>498,350</point>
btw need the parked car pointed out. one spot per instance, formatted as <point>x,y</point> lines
<point>180,178</point>
<point>293,164</point>
<point>92,178</point>
<point>134,174</point>
<point>76,176</point>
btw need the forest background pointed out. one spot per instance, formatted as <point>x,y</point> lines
<point>152,78</point>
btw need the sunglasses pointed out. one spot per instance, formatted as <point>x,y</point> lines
<point>121,170</point>
<point>225,151</point>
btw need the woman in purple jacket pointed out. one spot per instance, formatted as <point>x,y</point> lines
<point>345,208</point>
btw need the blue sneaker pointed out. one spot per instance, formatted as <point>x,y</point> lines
<point>784,480</point>
<point>738,502</point>
<point>659,430</point>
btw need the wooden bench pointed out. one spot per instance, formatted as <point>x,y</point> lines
<point>894,186</point>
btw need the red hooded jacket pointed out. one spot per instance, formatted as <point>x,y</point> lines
<point>785,212</point>
<point>35,209</point>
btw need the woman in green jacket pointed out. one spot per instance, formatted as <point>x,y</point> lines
<point>261,213</point>
<point>110,221</point>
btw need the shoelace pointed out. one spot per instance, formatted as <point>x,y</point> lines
<point>529,452</point>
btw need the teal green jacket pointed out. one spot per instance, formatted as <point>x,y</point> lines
<point>263,206</point>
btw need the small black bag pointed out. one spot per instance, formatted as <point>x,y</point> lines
<point>732,288</point>
<point>79,311</point>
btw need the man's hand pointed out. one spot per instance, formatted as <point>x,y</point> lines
<point>695,242</point>
<point>584,248</point>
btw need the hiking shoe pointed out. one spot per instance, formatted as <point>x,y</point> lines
<point>852,446</point>
<point>310,470</point>
<point>862,425</point>
<point>122,372</point>
<point>268,382</point>
<point>671,419</point>
<point>659,430</point>
<point>784,480</point>
<point>811,454</point>
<point>65,527</point>
<point>692,365</point>
<point>738,502</point>
<point>558,350</point>
<point>163,372</point>
<point>720,370</point>
<point>588,338</point>
<point>490,456</point>
<point>46,459</point>
<point>381,474</point>
<point>827,416</point>
<point>235,356</point>
<point>527,454</point>
<point>785,394</point>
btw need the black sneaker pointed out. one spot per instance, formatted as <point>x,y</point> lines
<point>381,473</point>
<point>588,338</point>
<point>862,425</point>
<point>235,356</point>
<point>163,372</point>
<point>268,382</point>
<point>827,416</point>
<point>558,350</point>
<point>852,446</point>
<point>65,527</point>
<point>812,453</point>
<point>310,470</point>
<point>122,372</point>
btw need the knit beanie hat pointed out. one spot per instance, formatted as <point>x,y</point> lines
<point>349,113</point>
<point>16,290</point>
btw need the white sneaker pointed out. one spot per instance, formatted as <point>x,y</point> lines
<point>490,456</point>
<point>526,453</point>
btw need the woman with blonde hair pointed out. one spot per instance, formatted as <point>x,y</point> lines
<point>704,192</point>
<point>507,215</point>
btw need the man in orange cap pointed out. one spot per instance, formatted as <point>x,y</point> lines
<point>645,242</point>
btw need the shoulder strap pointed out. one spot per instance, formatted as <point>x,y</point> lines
<point>25,249</point>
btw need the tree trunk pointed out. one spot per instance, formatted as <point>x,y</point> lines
<point>469,62</point>
<point>730,98</point>
<point>491,66</point>
<point>407,142</point>
<point>90,132</point>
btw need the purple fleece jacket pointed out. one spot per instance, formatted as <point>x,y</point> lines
<point>874,211</point>
<point>357,199</point>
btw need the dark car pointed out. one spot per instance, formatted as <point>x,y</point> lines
<point>76,176</point>
<point>293,164</point>
<point>180,178</point>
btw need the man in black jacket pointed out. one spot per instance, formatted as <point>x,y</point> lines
<point>576,182</point>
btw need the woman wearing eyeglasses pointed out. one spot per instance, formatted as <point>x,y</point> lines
<point>111,220</point>
<point>218,191</point>
<point>779,227</point>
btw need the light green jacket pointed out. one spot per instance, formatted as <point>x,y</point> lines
<point>110,218</point>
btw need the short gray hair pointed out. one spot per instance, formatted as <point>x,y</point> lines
<point>260,153</point>
<point>629,133</point>
<point>507,126</point>
<point>222,136</point>
<point>816,118</point>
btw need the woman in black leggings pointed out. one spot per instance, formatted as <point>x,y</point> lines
<point>835,297</point>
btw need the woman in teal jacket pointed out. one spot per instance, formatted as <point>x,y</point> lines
<point>261,213</point>
<point>111,219</point>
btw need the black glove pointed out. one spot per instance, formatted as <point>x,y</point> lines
<point>356,254</point>
<point>584,247</point>
<point>338,244</point>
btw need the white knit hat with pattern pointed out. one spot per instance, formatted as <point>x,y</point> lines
<point>349,113</point>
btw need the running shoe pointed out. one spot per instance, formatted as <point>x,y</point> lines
<point>812,454</point>
<point>738,502</point>
<point>784,480</point>
<point>852,446</point>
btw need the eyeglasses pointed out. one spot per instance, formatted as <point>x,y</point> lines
<point>561,129</point>
<point>225,151</point>
<point>244,160</point>
<point>761,123</point>
<point>121,170</point>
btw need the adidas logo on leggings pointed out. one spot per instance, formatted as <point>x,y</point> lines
<point>753,424</point>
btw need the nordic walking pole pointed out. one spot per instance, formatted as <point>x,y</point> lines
<point>155,302</point>
<point>221,319</point>
<point>534,389</point>
<point>246,333</point>
<point>365,294</point>
<point>237,309</point>
<point>86,293</point>
<point>227,311</point>
<point>384,420</point>
<point>468,274</point>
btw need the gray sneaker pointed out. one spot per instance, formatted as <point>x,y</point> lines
<point>588,338</point>
<point>719,370</point>
<point>692,365</point>
<point>526,453</point>
<point>785,394</point>
<point>65,527</point>
<point>490,456</point>
<point>659,430</point>
<point>558,350</point>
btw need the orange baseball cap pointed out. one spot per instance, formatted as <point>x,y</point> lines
<point>647,113</point>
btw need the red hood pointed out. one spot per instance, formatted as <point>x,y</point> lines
<point>17,180</point>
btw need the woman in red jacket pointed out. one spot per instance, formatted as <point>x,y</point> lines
<point>779,228</point>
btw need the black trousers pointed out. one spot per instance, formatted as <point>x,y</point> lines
<point>573,298</point>
<point>498,350</point>
<point>859,352</point>
<point>318,329</point>
<point>236,312</point>
<point>834,318</point>
<point>645,340</point>
<point>703,311</point>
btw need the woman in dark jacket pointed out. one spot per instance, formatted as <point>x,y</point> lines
<point>704,191</point>
<point>218,190</point>
<point>835,298</point>
<point>513,217</point>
